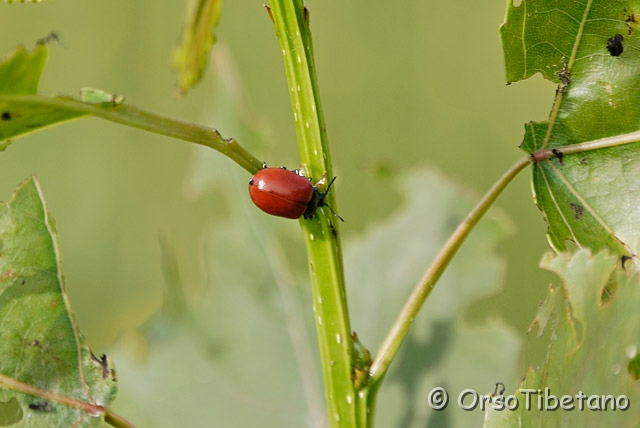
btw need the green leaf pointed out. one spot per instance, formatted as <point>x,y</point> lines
<point>590,47</point>
<point>20,75</point>
<point>592,345</point>
<point>534,21</point>
<point>48,377</point>
<point>20,72</point>
<point>191,57</point>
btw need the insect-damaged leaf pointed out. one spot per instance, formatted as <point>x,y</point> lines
<point>48,377</point>
<point>590,48</point>
<point>590,323</point>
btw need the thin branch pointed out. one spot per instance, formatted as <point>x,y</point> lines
<point>116,420</point>
<point>618,140</point>
<point>12,384</point>
<point>135,117</point>
<point>400,328</point>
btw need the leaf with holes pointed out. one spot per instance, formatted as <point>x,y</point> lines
<point>591,48</point>
<point>48,377</point>
<point>590,321</point>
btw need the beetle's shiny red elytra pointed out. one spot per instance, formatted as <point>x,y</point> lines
<point>283,193</point>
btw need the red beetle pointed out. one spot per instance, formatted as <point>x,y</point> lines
<point>284,193</point>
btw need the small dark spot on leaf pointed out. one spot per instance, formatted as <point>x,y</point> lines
<point>558,155</point>
<point>631,20</point>
<point>23,282</point>
<point>41,407</point>
<point>609,289</point>
<point>500,388</point>
<point>614,45</point>
<point>583,161</point>
<point>623,260</point>
<point>578,210</point>
<point>6,115</point>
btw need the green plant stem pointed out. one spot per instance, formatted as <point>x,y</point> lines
<point>322,232</point>
<point>618,140</point>
<point>125,114</point>
<point>116,420</point>
<point>400,328</point>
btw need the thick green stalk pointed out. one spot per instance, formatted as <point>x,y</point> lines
<point>291,21</point>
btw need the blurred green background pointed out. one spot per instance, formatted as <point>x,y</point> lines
<point>416,84</point>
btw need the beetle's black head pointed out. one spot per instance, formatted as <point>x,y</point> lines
<point>317,201</point>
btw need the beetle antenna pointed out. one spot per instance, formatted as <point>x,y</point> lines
<point>332,211</point>
<point>327,205</point>
<point>330,183</point>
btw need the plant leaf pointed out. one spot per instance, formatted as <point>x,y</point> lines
<point>47,375</point>
<point>20,75</point>
<point>198,37</point>
<point>591,322</point>
<point>590,47</point>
